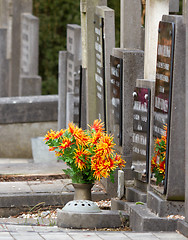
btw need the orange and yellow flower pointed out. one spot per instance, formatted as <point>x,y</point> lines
<point>89,154</point>
<point>97,126</point>
<point>158,160</point>
<point>78,134</point>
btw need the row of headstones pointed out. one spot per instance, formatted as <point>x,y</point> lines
<point>116,74</point>
<point>19,44</point>
<point>135,116</point>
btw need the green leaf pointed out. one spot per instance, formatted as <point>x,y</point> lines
<point>112,177</point>
<point>141,203</point>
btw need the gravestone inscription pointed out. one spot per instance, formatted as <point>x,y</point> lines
<point>163,85</point>
<point>29,45</point>
<point>73,67</point>
<point>141,127</point>
<point>116,70</point>
<point>99,68</point>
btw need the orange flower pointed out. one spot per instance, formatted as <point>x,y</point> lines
<point>105,145</point>
<point>66,142</point>
<point>81,157</point>
<point>162,167</point>
<point>53,135</point>
<point>119,161</point>
<point>50,135</point>
<point>52,148</point>
<point>95,137</point>
<point>78,134</point>
<point>90,151</point>
<point>97,126</point>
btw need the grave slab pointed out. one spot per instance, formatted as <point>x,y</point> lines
<point>30,85</point>
<point>62,89</point>
<point>29,45</point>
<point>148,83</point>
<point>4,64</point>
<point>186,121</point>
<point>155,9</point>
<point>88,52</point>
<point>176,163</point>
<point>106,39</point>
<point>131,34</point>
<point>174,6</point>
<point>18,7</point>
<point>74,57</point>
<point>133,68</point>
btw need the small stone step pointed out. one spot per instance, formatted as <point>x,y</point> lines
<point>117,204</point>
<point>162,207</point>
<point>143,220</point>
<point>183,227</point>
<point>135,195</point>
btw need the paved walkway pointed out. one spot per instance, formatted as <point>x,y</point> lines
<point>11,230</point>
<point>21,232</point>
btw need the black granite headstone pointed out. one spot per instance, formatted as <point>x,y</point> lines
<point>163,86</point>
<point>141,127</point>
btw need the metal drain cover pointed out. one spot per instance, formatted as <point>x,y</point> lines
<point>81,206</point>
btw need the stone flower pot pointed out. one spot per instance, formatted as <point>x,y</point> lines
<point>82,191</point>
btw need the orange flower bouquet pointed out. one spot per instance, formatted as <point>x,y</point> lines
<point>89,154</point>
<point>158,160</point>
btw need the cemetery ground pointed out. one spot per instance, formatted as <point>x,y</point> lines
<point>20,180</point>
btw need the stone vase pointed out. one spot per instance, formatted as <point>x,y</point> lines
<point>82,191</point>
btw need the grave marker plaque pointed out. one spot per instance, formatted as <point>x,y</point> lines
<point>141,127</point>
<point>163,85</point>
<point>29,45</point>
<point>73,66</point>
<point>99,68</point>
<point>116,68</point>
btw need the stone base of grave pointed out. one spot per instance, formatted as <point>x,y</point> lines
<point>163,207</point>
<point>139,184</point>
<point>111,188</point>
<point>183,227</point>
<point>141,219</point>
<point>135,195</point>
<point>104,219</point>
<point>13,204</point>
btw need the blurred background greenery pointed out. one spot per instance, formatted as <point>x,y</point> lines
<point>54,17</point>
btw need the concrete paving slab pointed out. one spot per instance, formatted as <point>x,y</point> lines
<point>56,236</point>
<point>19,228</point>
<point>45,229</point>
<point>26,235</point>
<point>32,168</point>
<point>14,187</point>
<point>15,160</point>
<point>5,236</point>
<point>82,235</point>
<point>139,236</point>
<point>51,186</point>
<point>169,236</point>
<point>112,235</point>
<point>47,186</point>
<point>12,232</point>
